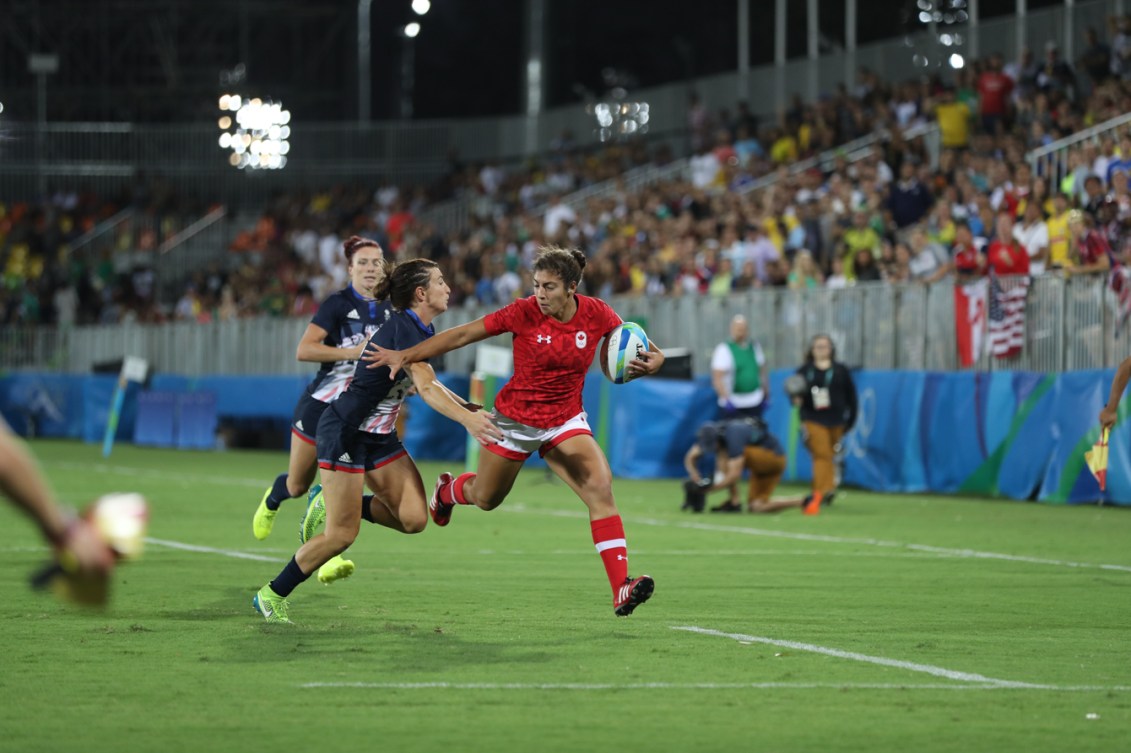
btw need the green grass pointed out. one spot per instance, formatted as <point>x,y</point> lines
<point>497,633</point>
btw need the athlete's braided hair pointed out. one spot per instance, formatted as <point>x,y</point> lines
<point>401,285</point>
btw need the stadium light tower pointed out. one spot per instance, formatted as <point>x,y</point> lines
<point>420,7</point>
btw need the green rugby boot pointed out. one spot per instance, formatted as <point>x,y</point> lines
<point>314,516</point>
<point>336,568</point>
<point>272,606</point>
<point>264,519</point>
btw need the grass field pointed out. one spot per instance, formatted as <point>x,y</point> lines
<point>886,623</point>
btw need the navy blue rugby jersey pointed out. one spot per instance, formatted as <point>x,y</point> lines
<point>373,400</point>
<point>349,320</point>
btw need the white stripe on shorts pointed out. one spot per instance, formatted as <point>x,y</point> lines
<point>612,544</point>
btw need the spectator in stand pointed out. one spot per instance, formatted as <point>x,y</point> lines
<point>1033,234</point>
<point>1054,74</point>
<point>953,118</point>
<point>1057,228</point>
<point>805,275</point>
<point>929,262</point>
<point>1005,255</point>
<point>1094,195</point>
<point>1122,162</point>
<point>860,237</point>
<point>557,215</point>
<point>910,200</point>
<point>968,261</point>
<point>994,89</point>
<point>1096,60</point>
<point>1090,252</point>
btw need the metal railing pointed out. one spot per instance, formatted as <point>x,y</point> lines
<point>1051,160</point>
<point>1070,324</point>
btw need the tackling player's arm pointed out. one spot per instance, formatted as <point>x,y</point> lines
<point>449,339</point>
<point>444,401</point>
<point>313,349</point>
<point>1118,384</point>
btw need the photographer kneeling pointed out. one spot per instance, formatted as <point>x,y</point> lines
<point>740,444</point>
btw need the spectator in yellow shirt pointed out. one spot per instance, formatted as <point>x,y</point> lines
<point>856,238</point>
<point>1058,231</point>
<point>954,121</point>
<point>784,149</point>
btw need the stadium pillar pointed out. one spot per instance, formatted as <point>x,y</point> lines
<point>814,49</point>
<point>743,49</point>
<point>849,43</point>
<point>363,65</point>
<point>1069,30</point>
<point>535,69</point>
<point>1022,9</point>
<point>779,56</point>
<point>972,11</point>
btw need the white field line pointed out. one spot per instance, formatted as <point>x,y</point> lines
<point>949,674</point>
<point>187,479</point>
<point>234,553</point>
<point>440,685</point>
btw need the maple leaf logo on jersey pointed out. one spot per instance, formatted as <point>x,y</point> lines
<point>543,338</point>
<point>580,339</point>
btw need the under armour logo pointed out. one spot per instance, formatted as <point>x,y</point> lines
<point>543,338</point>
<point>621,558</point>
<point>580,339</point>
<point>345,458</point>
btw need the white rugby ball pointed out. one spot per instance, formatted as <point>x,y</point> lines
<point>619,348</point>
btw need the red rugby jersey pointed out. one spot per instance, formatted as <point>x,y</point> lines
<point>551,358</point>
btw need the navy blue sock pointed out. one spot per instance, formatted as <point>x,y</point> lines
<point>278,492</point>
<point>366,509</point>
<point>289,579</point>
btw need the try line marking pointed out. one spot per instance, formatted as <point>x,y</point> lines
<point>741,530</point>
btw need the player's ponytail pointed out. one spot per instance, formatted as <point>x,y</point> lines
<point>566,263</point>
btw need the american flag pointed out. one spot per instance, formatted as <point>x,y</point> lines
<point>1006,334</point>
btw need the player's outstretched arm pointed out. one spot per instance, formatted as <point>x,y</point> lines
<point>1118,384</point>
<point>646,363</point>
<point>477,422</point>
<point>449,339</point>
<point>23,483</point>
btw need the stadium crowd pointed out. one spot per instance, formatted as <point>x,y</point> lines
<point>897,215</point>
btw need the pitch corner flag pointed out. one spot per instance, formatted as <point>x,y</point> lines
<point>1096,458</point>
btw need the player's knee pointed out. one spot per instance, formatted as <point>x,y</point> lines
<point>339,539</point>
<point>414,523</point>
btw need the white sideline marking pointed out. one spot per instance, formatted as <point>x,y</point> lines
<point>845,539</point>
<point>950,674</point>
<point>519,507</point>
<point>702,686</point>
<point>212,550</point>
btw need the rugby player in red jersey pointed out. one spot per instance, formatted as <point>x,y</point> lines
<point>556,335</point>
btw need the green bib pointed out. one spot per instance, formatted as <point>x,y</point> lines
<point>747,375</point>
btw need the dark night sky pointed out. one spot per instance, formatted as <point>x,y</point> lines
<point>469,62</point>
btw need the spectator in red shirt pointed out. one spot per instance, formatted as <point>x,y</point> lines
<point>1006,256</point>
<point>994,88</point>
<point>1089,251</point>
<point>967,259</point>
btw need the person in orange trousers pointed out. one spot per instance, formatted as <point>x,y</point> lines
<point>828,409</point>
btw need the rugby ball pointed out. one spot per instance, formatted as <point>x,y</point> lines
<point>620,347</point>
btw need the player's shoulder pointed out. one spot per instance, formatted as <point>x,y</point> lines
<point>595,308</point>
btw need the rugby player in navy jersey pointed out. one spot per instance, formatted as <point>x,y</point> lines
<point>334,338</point>
<point>357,444</point>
